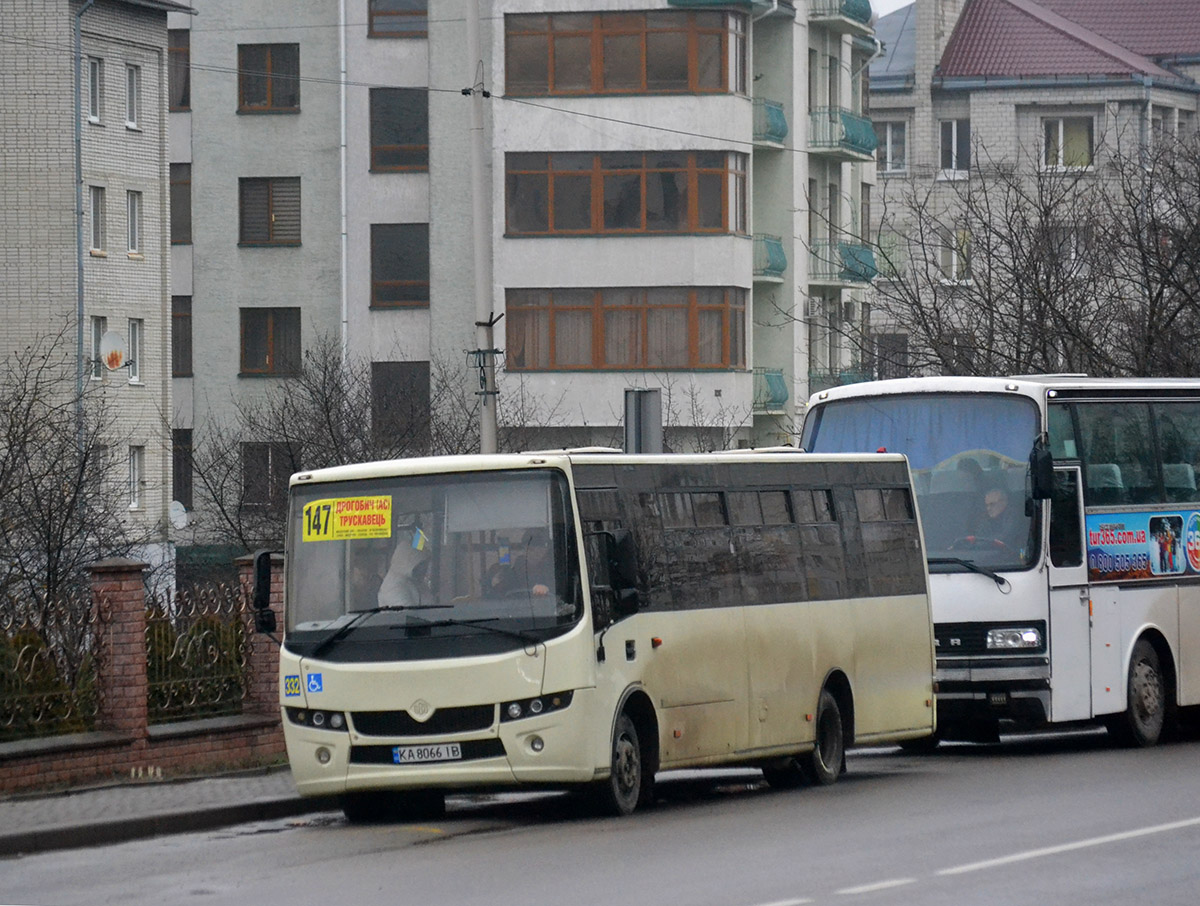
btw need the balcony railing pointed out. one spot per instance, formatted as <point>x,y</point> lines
<point>822,379</point>
<point>770,390</point>
<point>770,260</point>
<point>840,262</point>
<point>838,132</point>
<point>770,122</point>
<point>844,16</point>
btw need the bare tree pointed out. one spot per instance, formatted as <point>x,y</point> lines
<point>1023,268</point>
<point>331,413</point>
<point>60,508</point>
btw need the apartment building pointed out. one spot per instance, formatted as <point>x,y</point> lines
<point>672,196</point>
<point>85,254</point>
<point>1057,84</point>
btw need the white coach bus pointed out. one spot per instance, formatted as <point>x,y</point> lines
<point>588,619</point>
<point>1062,524</point>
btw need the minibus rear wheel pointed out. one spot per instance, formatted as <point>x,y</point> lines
<point>827,760</point>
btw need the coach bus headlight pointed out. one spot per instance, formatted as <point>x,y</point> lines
<point>531,707</point>
<point>1017,637</point>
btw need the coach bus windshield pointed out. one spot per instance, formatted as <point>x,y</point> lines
<point>969,455</point>
<point>430,565</point>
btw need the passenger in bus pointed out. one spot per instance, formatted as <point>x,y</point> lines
<point>401,586</point>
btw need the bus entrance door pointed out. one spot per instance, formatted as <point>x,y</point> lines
<point>1069,628</point>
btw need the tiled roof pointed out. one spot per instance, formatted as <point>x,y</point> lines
<point>1023,38</point>
<point>1155,28</point>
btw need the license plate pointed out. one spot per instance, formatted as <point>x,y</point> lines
<point>415,754</point>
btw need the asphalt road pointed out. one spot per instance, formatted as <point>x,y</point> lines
<point>1063,819</point>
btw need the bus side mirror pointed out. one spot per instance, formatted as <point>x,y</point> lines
<point>1041,471</point>
<point>264,616</point>
<point>622,571</point>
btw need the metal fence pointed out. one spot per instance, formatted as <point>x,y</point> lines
<point>47,665</point>
<point>196,653</point>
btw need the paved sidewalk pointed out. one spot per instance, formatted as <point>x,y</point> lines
<point>111,814</point>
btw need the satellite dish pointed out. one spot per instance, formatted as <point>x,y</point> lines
<point>113,352</point>
<point>178,515</point>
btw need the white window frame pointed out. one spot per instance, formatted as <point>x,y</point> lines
<point>95,98</point>
<point>954,257</point>
<point>1061,122</point>
<point>96,219</point>
<point>889,158</point>
<point>99,328</point>
<point>137,342</point>
<point>133,210</point>
<point>956,170</point>
<point>133,95</point>
<point>137,472</point>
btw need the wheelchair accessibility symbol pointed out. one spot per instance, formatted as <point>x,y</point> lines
<point>314,682</point>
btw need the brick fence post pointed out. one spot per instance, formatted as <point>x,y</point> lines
<point>119,596</point>
<point>262,653</point>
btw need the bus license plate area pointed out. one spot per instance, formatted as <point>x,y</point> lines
<point>422,754</point>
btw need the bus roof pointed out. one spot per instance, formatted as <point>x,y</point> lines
<point>1033,385</point>
<point>476,462</point>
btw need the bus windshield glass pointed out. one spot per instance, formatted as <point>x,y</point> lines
<point>431,565</point>
<point>969,454</point>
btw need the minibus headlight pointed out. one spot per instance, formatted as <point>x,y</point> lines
<point>322,720</point>
<point>532,707</point>
<point>1014,638</point>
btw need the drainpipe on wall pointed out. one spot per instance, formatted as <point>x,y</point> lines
<point>79,360</point>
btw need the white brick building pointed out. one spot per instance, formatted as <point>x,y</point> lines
<point>107,263</point>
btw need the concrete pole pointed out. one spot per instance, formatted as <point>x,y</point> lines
<point>485,353</point>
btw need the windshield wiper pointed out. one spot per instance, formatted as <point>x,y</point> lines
<point>359,615</point>
<point>481,623</point>
<point>973,567</point>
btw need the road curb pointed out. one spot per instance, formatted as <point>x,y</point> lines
<point>136,827</point>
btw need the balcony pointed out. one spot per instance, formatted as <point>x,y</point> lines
<point>822,379</point>
<point>838,133</point>
<point>770,391</point>
<point>770,123</point>
<point>846,17</point>
<point>770,260</point>
<point>840,263</point>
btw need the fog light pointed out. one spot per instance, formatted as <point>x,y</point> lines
<point>536,743</point>
<point>514,710</point>
<point>323,755</point>
<point>336,720</point>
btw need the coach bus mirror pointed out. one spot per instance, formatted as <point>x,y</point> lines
<point>264,616</point>
<point>1041,470</point>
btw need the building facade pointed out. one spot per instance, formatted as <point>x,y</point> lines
<point>86,259</point>
<point>1054,86</point>
<point>672,196</point>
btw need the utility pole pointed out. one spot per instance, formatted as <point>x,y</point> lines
<point>485,321</point>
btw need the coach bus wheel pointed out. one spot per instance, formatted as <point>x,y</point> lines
<point>1145,712</point>
<point>623,789</point>
<point>374,806</point>
<point>828,757</point>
